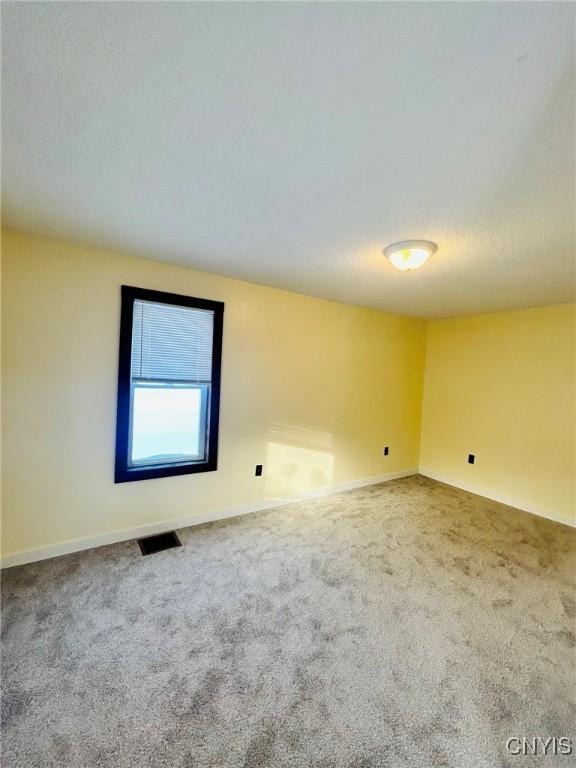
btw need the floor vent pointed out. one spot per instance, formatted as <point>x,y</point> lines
<point>159,543</point>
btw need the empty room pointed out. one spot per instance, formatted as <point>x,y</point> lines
<point>288,385</point>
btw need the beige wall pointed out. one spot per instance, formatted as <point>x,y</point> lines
<point>312,389</point>
<point>502,386</point>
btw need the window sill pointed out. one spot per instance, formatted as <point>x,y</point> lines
<point>128,475</point>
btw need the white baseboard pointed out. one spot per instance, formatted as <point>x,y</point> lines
<point>113,537</point>
<point>497,496</point>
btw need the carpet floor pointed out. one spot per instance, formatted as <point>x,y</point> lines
<point>404,624</point>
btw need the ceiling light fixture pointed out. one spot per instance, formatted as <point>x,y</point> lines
<point>409,254</point>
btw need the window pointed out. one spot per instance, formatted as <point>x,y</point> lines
<point>168,385</point>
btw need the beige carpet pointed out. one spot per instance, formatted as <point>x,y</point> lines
<point>407,624</point>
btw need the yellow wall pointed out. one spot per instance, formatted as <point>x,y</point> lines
<point>312,389</point>
<point>502,386</point>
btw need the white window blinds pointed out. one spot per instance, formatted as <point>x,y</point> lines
<point>171,343</point>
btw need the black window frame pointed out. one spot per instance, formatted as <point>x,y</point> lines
<point>123,471</point>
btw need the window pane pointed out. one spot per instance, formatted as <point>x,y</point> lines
<point>167,424</point>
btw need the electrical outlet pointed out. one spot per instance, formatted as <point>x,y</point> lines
<point>471,458</point>
<point>258,472</point>
<point>386,451</point>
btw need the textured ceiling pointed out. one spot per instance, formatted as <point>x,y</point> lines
<point>288,143</point>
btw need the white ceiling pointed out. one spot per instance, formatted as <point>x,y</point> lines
<point>288,143</point>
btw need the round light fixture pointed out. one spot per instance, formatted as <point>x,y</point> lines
<point>409,254</point>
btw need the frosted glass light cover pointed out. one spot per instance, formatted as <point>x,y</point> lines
<point>410,254</point>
